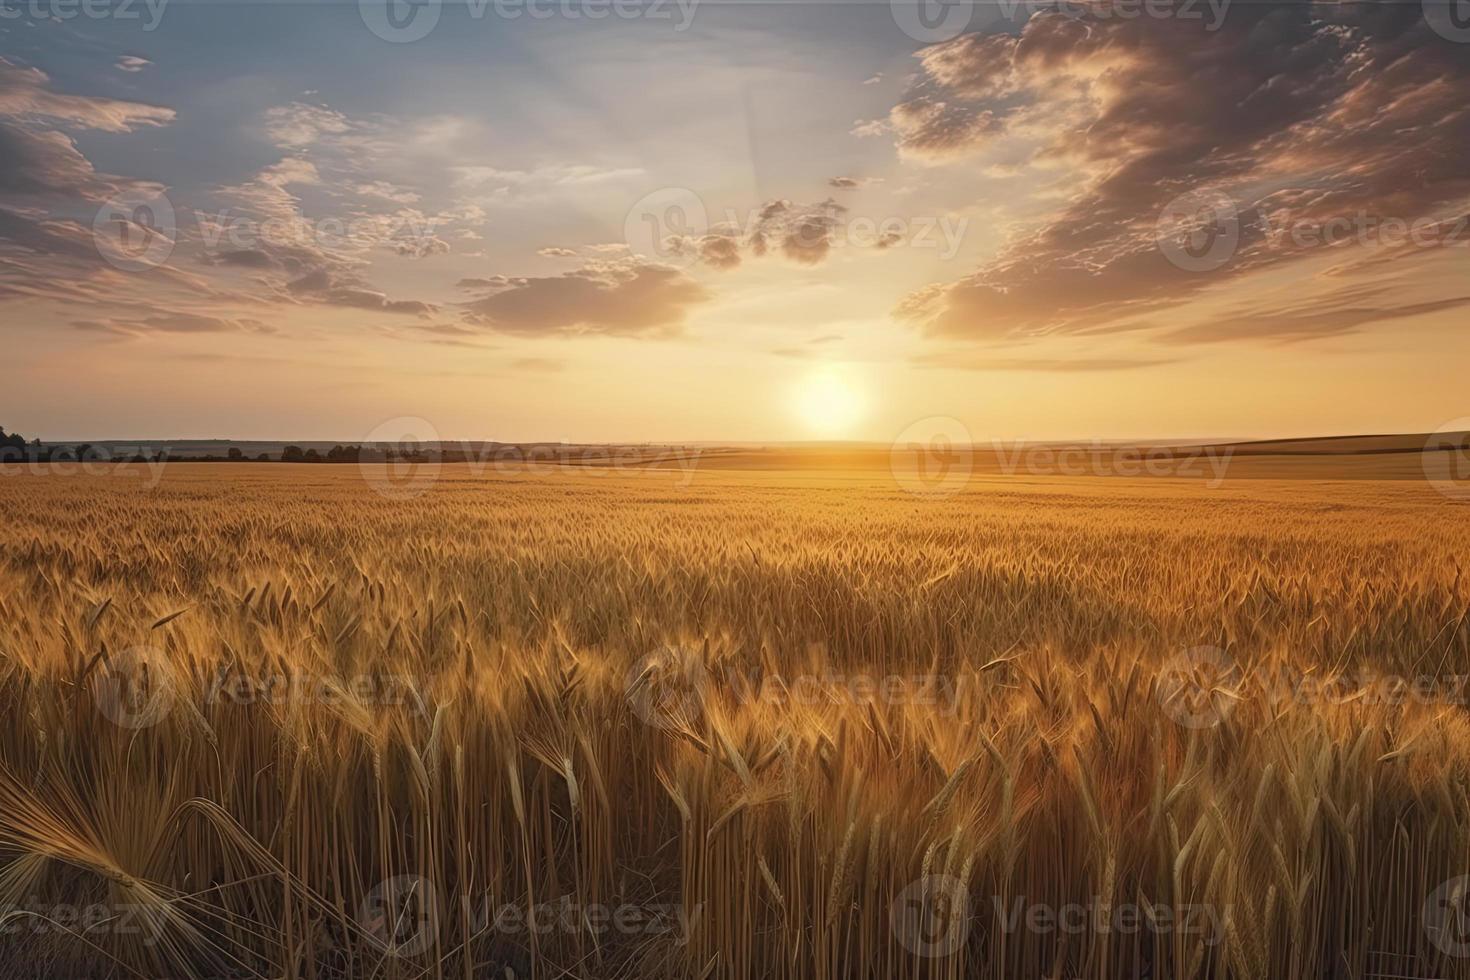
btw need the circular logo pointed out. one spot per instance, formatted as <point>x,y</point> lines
<point>1191,687</point>
<point>933,457</point>
<point>400,459</point>
<point>400,21</point>
<point>1199,231</point>
<point>401,915</point>
<point>666,688</point>
<point>932,21</point>
<point>667,224</point>
<point>1450,19</point>
<point>135,230</point>
<point>931,916</point>
<point>1446,459</point>
<point>133,690</point>
<point>1447,917</point>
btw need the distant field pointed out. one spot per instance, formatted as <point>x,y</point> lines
<point>1362,457</point>
<point>736,720</point>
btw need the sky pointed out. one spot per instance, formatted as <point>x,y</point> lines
<point>565,219</point>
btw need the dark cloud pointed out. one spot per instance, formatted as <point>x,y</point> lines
<point>419,246</point>
<point>249,258</point>
<point>720,250</point>
<point>42,161</point>
<point>43,236</point>
<point>339,288</point>
<point>628,297</point>
<point>1298,113</point>
<point>25,93</point>
<point>803,233</point>
<point>493,282</point>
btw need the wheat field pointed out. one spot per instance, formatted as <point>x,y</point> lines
<point>263,721</point>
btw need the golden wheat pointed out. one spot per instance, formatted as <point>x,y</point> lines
<point>288,727</point>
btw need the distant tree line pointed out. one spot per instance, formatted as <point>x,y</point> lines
<point>15,449</point>
<point>348,454</point>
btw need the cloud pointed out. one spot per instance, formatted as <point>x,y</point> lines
<point>25,92</point>
<point>297,125</point>
<point>43,162</point>
<point>266,193</point>
<point>491,185</point>
<point>1298,112</point>
<point>41,236</point>
<point>969,360</point>
<point>802,233</point>
<point>492,282</point>
<point>248,258</point>
<point>718,250</point>
<point>339,287</point>
<point>168,321</point>
<point>553,252</point>
<point>385,190</point>
<point>131,63</point>
<point>1308,322</point>
<point>629,297</point>
<point>418,246</point>
<point>850,183</point>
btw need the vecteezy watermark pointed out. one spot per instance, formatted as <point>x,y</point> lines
<point>935,21</point>
<point>136,463</point>
<point>404,457</point>
<point>932,457</point>
<point>403,916</point>
<point>90,920</point>
<point>1446,459</point>
<point>1446,916</point>
<point>1198,687</point>
<point>1199,231</point>
<point>938,691</point>
<point>936,456</point>
<point>240,688</point>
<point>932,21</point>
<point>572,918</point>
<point>133,688</point>
<point>1370,230</point>
<point>1099,916</point>
<point>1450,19</point>
<point>667,688</point>
<point>135,230</point>
<point>1202,231</point>
<point>1365,686</point>
<point>407,234</point>
<point>1098,458</point>
<point>673,225</point>
<point>404,468</point>
<point>400,915</point>
<point>148,11</point>
<point>138,230</point>
<point>931,916</point>
<point>405,21</point>
<point>660,219</point>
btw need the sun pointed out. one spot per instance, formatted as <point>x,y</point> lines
<point>829,402</point>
